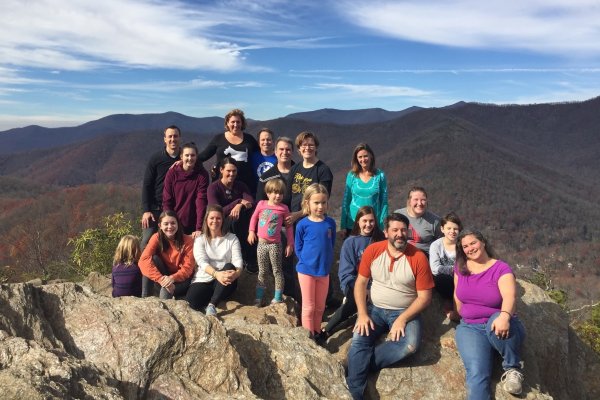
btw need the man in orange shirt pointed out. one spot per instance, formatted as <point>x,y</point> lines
<point>400,291</point>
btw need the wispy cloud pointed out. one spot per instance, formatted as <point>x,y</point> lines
<point>374,90</point>
<point>566,28</point>
<point>80,35</point>
<point>314,72</point>
<point>167,86</point>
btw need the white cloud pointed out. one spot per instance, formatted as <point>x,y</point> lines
<point>566,28</point>
<point>165,86</point>
<point>319,73</point>
<point>80,34</point>
<point>375,90</point>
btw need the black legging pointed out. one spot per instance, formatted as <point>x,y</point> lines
<point>201,293</point>
<point>346,310</point>
<point>148,284</point>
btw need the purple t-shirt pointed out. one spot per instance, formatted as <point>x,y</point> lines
<point>479,293</point>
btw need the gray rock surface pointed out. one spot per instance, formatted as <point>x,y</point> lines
<point>67,340</point>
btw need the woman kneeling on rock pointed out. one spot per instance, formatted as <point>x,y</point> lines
<point>219,259</point>
<point>168,259</point>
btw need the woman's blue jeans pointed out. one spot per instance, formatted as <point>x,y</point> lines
<point>476,344</point>
<point>364,356</point>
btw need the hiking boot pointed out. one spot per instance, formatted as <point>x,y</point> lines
<point>513,381</point>
<point>211,310</point>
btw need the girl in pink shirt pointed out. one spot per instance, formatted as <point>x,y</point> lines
<point>270,215</point>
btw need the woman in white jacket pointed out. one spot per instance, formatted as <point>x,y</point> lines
<point>219,263</point>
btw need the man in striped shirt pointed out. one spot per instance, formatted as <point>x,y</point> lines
<point>400,291</point>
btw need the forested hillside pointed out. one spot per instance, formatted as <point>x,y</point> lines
<point>525,175</point>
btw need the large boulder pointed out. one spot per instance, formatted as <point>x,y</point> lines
<point>65,340</point>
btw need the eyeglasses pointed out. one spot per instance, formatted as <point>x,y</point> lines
<point>307,146</point>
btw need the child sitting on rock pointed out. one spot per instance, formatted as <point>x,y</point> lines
<point>126,275</point>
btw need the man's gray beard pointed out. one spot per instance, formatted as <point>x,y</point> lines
<point>398,246</point>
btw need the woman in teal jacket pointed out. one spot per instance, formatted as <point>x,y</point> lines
<point>365,186</point>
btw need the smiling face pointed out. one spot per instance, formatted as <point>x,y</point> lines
<point>366,223</point>
<point>172,139</point>
<point>417,204</point>
<point>214,221</point>
<point>450,231</point>
<point>234,124</point>
<point>188,158</point>
<point>363,158</point>
<point>473,248</point>
<point>283,152</point>
<point>265,141</point>
<point>397,235</point>
<point>308,149</point>
<point>228,174</point>
<point>168,225</point>
<point>317,205</point>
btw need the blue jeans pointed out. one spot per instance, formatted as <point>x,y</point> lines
<point>364,356</point>
<point>476,344</point>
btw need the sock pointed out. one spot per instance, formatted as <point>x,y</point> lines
<point>260,291</point>
<point>277,295</point>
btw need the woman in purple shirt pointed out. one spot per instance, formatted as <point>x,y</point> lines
<point>485,295</point>
<point>237,202</point>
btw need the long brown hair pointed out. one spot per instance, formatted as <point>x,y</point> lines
<point>377,234</point>
<point>461,257</point>
<point>356,168</point>
<point>163,241</point>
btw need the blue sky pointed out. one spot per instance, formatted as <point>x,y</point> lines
<point>67,62</point>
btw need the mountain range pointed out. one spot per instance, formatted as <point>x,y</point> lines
<point>527,176</point>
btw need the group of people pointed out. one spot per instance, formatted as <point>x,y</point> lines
<point>264,212</point>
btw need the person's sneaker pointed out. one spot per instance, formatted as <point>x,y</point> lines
<point>275,301</point>
<point>513,381</point>
<point>211,310</point>
<point>321,338</point>
<point>258,303</point>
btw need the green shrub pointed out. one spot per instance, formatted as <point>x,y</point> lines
<point>589,331</point>
<point>93,249</point>
<point>559,296</point>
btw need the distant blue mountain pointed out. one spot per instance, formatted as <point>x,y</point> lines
<point>351,117</point>
<point>36,137</point>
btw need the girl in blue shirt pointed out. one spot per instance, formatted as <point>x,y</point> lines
<point>314,242</point>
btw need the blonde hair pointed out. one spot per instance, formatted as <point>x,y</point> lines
<point>275,186</point>
<point>315,188</point>
<point>128,251</point>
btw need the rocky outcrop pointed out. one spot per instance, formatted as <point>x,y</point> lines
<point>67,340</point>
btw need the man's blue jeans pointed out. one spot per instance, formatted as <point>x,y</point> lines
<point>476,344</point>
<point>364,356</point>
